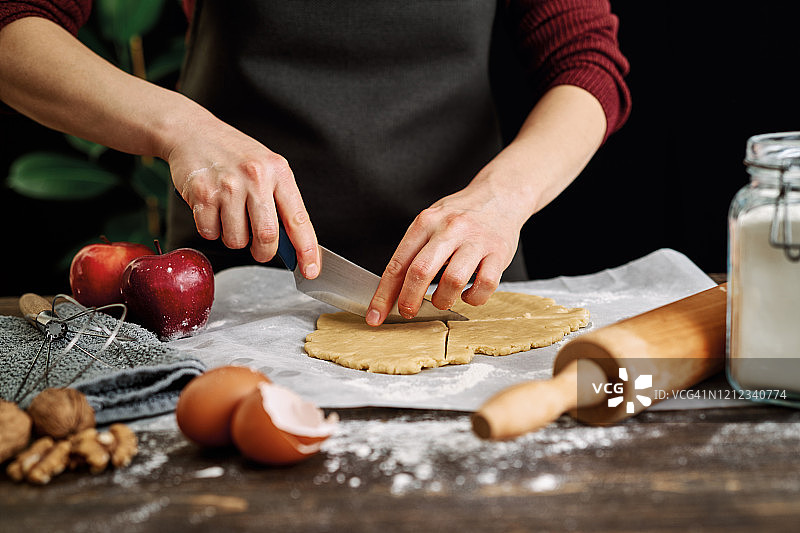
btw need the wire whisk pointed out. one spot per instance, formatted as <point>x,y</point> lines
<point>42,314</point>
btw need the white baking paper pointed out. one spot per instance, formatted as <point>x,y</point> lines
<point>260,320</point>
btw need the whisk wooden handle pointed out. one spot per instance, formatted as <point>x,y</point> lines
<point>31,304</point>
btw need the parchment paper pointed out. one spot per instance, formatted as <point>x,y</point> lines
<point>260,320</point>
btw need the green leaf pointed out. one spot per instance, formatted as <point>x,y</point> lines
<point>169,62</point>
<point>122,19</point>
<point>50,176</point>
<point>152,180</point>
<point>131,227</point>
<point>93,150</point>
<point>124,57</point>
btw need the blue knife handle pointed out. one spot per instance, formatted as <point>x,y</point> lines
<point>286,251</point>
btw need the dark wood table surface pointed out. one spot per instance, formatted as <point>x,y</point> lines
<point>731,469</point>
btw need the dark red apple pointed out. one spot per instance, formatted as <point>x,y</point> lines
<point>170,294</point>
<point>96,271</point>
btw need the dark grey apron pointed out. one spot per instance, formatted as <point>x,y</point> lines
<point>381,108</point>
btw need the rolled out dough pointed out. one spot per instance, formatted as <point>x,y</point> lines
<point>508,323</point>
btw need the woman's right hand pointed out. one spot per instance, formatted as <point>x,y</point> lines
<point>237,188</point>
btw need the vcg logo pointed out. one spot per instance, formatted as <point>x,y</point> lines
<point>644,381</point>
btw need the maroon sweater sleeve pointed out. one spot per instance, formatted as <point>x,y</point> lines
<point>71,14</point>
<point>570,42</point>
<point>573,42</point>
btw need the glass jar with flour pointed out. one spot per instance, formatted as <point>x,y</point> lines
<point>763,350</point>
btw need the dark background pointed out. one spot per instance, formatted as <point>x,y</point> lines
<point>703,80</point>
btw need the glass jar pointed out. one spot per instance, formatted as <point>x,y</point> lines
<point>763,344</point>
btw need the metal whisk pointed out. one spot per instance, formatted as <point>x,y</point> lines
<point>43,315</point>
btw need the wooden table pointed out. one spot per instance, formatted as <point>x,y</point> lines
<point>734,469</point>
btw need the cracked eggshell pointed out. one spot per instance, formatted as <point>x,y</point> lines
<point>275,426</point>
<point>207,403</point>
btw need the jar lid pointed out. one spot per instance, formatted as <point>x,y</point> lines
<point>776,156</point>
<point>777,152</point>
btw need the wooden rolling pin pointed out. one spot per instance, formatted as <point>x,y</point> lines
<point>679,345</point>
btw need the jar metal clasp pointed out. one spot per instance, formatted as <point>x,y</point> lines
<point>780,233</point>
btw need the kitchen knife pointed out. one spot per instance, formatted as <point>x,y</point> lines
<point>347,286</point>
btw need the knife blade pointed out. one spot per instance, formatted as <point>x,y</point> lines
<point>347,286</point>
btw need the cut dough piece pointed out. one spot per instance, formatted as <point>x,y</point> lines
<point>508,323</point>
<point>407,348</point>
<point>509,305</point>
<point>509,335</point>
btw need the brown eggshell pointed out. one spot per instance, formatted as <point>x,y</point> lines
<point>274,426</point>
<point>207,403</point>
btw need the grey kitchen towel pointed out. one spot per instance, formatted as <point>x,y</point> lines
<point>127,380</point>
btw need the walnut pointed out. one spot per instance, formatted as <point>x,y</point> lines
<point>15,430</point>
<point>51,464</point>
<point>88,450</point>
<point>59,413</point>
<point>124,447</point>
<point>46,458</point>
<point>27,460</point>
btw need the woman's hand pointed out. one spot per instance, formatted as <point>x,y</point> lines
<point>474,231</point>
<point>237,188</point>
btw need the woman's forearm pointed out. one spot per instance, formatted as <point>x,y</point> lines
<point>554,144</point>
<point>235,186</point>
<point>51,77</point>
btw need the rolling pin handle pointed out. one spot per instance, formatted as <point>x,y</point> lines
<point>683,340</point>
<point>532,405</point>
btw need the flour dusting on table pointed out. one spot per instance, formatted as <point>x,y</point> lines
<point>449,383</point>
<point>410,452</point>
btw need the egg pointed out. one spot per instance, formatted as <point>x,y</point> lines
<point>207,403</point>
<point>275,426</point>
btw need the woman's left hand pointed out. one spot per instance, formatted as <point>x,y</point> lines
<point>474,231</point>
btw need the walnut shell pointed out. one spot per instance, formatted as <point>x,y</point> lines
<point>15,430</point>
<point>61,412</point>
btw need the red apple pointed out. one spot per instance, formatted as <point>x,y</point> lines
<point>170,294</point>
<point>96,271</point>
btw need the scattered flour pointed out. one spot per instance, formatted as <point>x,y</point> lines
<point>410,453</point>
<point>123,520</point>
<point>210,472</point>
<point>147,464</point>
<point>432,385</point>
<point>543,483</point>
<point>142,513</point>
<point>729,433</point>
